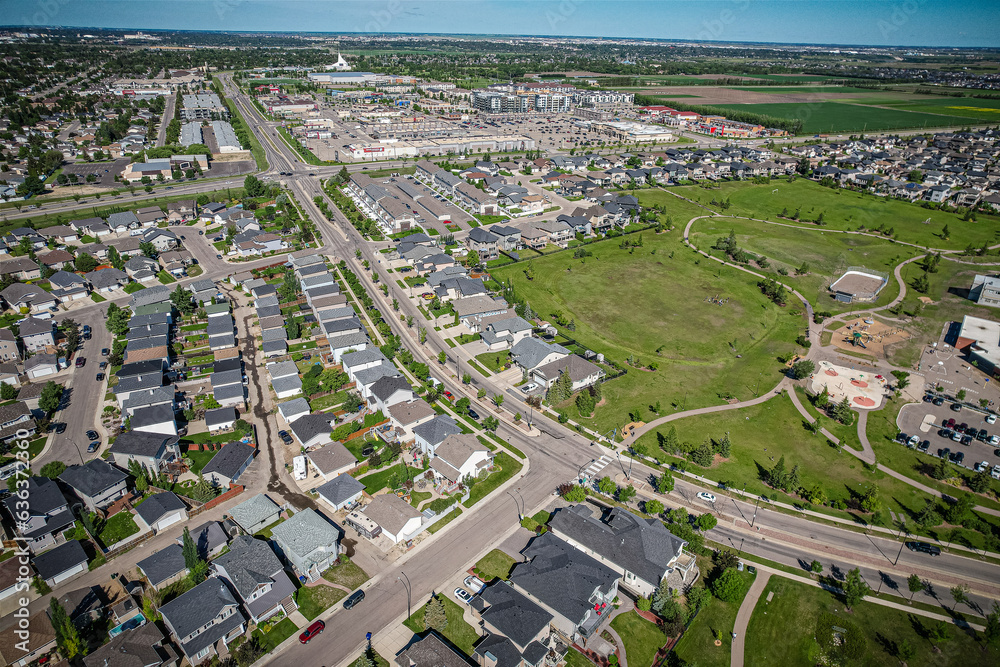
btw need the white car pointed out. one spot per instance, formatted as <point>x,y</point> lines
<point>463,595</point>
<point>982,465</point>
<point>474,583</point>
<point>529,387</point>
<point>991,419</point>
<point>994,440</point>
<point>706,496</point>
<point>912,442</point>
<point>995,473</point>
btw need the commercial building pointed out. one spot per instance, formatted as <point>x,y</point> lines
<point>202,105</point>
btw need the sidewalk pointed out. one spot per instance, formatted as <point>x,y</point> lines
<point>743,616</point>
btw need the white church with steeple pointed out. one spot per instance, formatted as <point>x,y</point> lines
<point>340,66</point>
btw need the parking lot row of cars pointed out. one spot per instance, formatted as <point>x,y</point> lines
<point>963,433</point>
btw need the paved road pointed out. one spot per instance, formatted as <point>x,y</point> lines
<point>168,115</point>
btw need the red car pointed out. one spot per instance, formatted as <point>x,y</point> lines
<point>313,630</point>
<point>449,395</point>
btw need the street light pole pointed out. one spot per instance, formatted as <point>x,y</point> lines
<point>406,585</point>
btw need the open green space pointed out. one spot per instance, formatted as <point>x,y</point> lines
<point>834,475</point>
<point>314,600</point>
<point>842,117</point>
<point>346,574</point>
<point>269,641</point>
<point>698,642</point>
<point>846,210</point>
<point>784,631</point>
<point>438,525</point>
<point>508,467</point>
<point>642,638</point>
<point>984,110</point>
<point>494,565</point>
<point>825,254</point>
<point>802,89</point>
<point>649,304</point>
<point>458,632</point>
<point>494,360</point>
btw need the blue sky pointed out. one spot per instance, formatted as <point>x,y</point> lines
<point>859,22</point>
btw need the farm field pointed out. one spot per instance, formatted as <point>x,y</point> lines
<point>841,117</point>
<point>847,210</point>
<point>783,631</point>
<point>969,107</point>
<point>827,253</point>
<point>650,303</point>
<point>803,89</point>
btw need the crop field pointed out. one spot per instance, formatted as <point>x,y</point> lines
<point>803,89</point>
<point>847,210</point>
<point>650,303</point>
<point>827,253</point>
<point>987,111</point>
<point>841,117</point>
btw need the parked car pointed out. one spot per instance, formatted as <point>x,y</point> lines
<point>529,387</point>
<point>957,457</point>
<point>924,446</point>
<point>956,436</point>
<point>924,547</point>
<point>285,438</point>
<point>943,453</point>
<point>966,440</point>
<point>100,377</point>
<point>938,401</point>
<point>474,414</point>
<point>313,630</point>
<point>354,599</point>
<point>982,435</point>
<point>994,440</point>
<point>995,473</point>
<point>92,435</point>
<point>60,427</point>
<point>944,433</point>
<point>93,447</point>
<point>956,407</point>
<point>80,361</point>
<point>912,442</point>
<point>105,352</point>
<point>474,583</point>
<point>949,423</point>
<point>102,365</point>
<point>706,496</point>
<point>87,335</point>
<point>982,465</point>
<point>449,395</point>
<point>462,595</point>
<point>991,419</point>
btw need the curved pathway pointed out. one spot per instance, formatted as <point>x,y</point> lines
<point>744,614</point>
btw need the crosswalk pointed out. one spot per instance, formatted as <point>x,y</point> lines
<point>595,467</point>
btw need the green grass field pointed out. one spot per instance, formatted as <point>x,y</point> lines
<point>841,117</point>
<point>315,600</point>
<point>782,631</point>
<point>458,632</point>
<point>827,253</point>
<point>698,642</point>
<point>642,638</point>
<point>987,111</point>
<point>847,210</point>
<point>650,304</point>
<point>778,90</point>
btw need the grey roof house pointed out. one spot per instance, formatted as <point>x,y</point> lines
<point>61,563</point>
<point>226,467</point>
<point>204,617</point>
<point>96,483</point>
<point>258,577</point>
<point>309,542</point>
<point>255,514</point>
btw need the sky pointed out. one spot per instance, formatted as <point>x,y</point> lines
<point>959,23</point>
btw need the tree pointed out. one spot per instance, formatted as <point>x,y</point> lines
<point>870,501</point>
<point>607,486</point>
<point>626,494</point>
<point>182,301</point>
<point>905,651</point>
<point>728,586</point>
<point>992,629</point>
<point>67,636</point>
<point>960,594</point>
<point>902,379</point>
<point>148,250</point>
<point>654,507</point>
<point>473,258</point>
<point>52,469</point>
<point>498,400</point>
<point>84,263</point>
<point>915,584</point>
<point>491,423</point>
<point>293,329</point>
<point>50,397</point>
<point>422,335</point>
<point>855,589</point>
<point>442,357</point>
<point>137,471</point>
<point>462,405</point>
<point>575,494</point>
<point>706,522</point>
<point>945,233</point>
<point>253,187</point>
<point>939,633</point>
<point>434,615</point>
<point>842,412</point>
<point>803,369</point>
<point>72,332</point>
<point>665,483</point>
<point>364,661</point>
<point>8,392</point>
<point>816,567</point>
<point>117,319</point>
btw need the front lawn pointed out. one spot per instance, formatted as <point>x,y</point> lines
<point>314,600</point>
<point>347,574</point>
<point>698,641</point>
<point>132,288</point>
<point>458,632</point>
<point>494,360</point>
<point>508,468</point>
<point>379,480</point>
<point>642,638</point>
<point>166,278</point>
<point>279,633</point>
<point>495,564</point>
<point>117,528</point>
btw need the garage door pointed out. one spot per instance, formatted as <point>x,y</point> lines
<point>168,521</point>
<point>68,573</point>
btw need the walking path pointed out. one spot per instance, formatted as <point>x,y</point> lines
<point>626,606</point>
<point>744,614</point>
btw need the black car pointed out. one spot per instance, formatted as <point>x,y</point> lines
<point>924,547</point>
<point>944,433</point>
<point>958,457</point>
<point>60,427</point>
<point>102,365</point>
<point>982,435</point>
<point>92,435</point>
<point>87,335</point>
<point>285,438</point>
<point>473,414</point>
<point>938,401</point>
<point>100,377</point>
<point>966,440</point>
<point>943,453</point>
<point>924,446</point>
<point>105,351</point>
<point>928,398</point>
<point>93,447</point>
<point>902,438</point>
<point>355,598</point>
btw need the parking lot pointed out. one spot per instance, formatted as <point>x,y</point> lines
<point>105,171</point>
<point>927,422</point>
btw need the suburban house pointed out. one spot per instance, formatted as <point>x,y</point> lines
<point>61,563</point>
<point>575,588</point>
<point>459,457</point>
<point>341,492</point>
<point>220,419</point>
<point>331,460</point>
<point>164,567</point>
<point>431,651</point>
<point>483,242</point>
<point>15,417</point>
<point>19,651</point>
<point>49,516</point>
<point>503,334</point>
<point>258,577</point>
<point>209,538</point>
<point>152,450</point>
<point>642,551</point>
<point>293,409</point>
<point>32,297</point>
<point>202,618</point>
<point>530,353</point>
<point>68,286</point>
<point>107,280</point>
<point>21,268</point>
<point>37,334</point>
<point>432,433</point>
<point>96,483</point>
<point>313,429</point>
<point>9,350</point>
<point>582,372</point>
<point>396,517</point>
<point>256,513</point>
<point>407,416</point>
<point>388,391</point>
<point>154,419</point>
<point>226,467</point>
<point>160,511</point>
<point>517,629</point>
<point>309,542</point>
<point>471,310</point>
<point>144,646</point>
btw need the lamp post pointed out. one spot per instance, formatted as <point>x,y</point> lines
<point>406,585</point>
